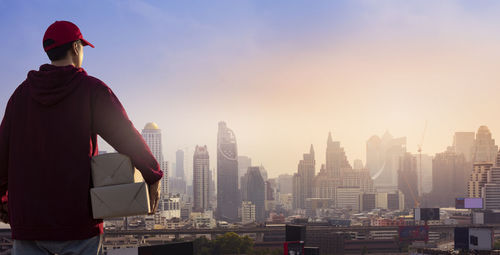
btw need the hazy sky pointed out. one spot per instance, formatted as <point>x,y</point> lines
<point>280,73</point>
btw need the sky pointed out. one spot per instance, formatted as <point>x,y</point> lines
<point>281,74</point>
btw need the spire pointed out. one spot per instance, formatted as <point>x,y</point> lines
<point>330,140</point>
<point>311,151</point>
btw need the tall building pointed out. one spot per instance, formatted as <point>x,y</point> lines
<point>382,158</point>
<point>407,179</point>
<point>358,164</point>
<point>256,191</point>
<point>152,135</point>
<point>478,178</point>
<point>463,143</point>
<point>201,179</point>
<point>357,178</point>
<point>348,197</point>
<point>484,149</point>
<point>491,190</point>
<point>336,158</point>
<point>426,168</point>
<point>449,178</point>
<point>303,180</point>
<point>285,184</point>
<point>247,212</point>
<point>244,163</point>
<point>228,196</point>
<point>179,164</point>
<point>325,186</point>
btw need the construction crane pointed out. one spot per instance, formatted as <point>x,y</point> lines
<point>417,203</point>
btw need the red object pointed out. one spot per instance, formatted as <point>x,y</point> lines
<point>413,233</point>
<point>47,138</point>
<point>63,32</point>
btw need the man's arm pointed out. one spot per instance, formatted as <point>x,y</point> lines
<point>4,163</point>
<point>4,149</point>
<point>111,122</point>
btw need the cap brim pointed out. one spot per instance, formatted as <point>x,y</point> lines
<point>85,43</point>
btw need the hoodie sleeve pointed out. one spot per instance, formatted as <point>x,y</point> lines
<point>111,122</point>
<point>4,149</point>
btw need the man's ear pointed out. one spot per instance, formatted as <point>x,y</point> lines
<point>75,48</point>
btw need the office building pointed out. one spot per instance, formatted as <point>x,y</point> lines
<point>491,190</point>
<point>303,179</point>
<point>201,179</point>
<point>382,158</point>
<point>244,163</point>
<point>152,136</point>
<point>228,195</point>
<point>484,149</point>
<point>179,164</point>
<point>348,197</point>
<point>463,143</point>
<point>357,178</point>
<point>478,178</point>
<point>336,158</point>
<point>247,212</point>
<point>256,192</point>
<point>408,180</point>
<point>449,178</point>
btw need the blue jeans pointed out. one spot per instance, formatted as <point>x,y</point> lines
<point>87,246</point>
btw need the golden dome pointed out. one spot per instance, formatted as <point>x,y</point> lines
<point>151,126</point>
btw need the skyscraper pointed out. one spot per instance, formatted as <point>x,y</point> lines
<point>179,164</point>
<point>478,178</point>
<point>484,149</point>
<point>152,135</point>
<point>463,143</point>
<point>256,191</point>
<point>244,163</point>
<point>303,180</point>
<point>228,197</point>
<point>382,158</point>
<point>201,165</point>
<point>335,158</point>
<point>491,190</point>
<point>407,179</point>
<point>449,178</point>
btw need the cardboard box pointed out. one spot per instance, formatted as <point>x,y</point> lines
<point>111,169</point>
<point>120,200</point>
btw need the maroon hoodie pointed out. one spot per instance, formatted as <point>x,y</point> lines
<point>47,137</point>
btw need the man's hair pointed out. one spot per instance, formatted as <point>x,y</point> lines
<point>58,52</point>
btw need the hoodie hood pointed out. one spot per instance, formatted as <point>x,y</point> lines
<point>51,84</point>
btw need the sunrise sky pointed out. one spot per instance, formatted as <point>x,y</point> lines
<point>280,73</point>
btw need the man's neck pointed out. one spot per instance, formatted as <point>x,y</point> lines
<point>63,62</point>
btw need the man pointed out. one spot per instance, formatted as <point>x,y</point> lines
<point>47,138</point>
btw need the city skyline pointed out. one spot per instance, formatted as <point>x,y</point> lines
<point>282,74</point>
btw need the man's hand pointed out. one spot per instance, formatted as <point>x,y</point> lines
<point>154,196</point>
<point>4,213</point>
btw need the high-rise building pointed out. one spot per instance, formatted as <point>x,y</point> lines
<point>201,166</point>
<point>256,192</point>
<point>303,179</point>
<point>449,178</point>
<point>228,196</point>
<point>152,135</point>
<point>247,212</point>
<point>463,143</point>
<point>325,185</point>
<point>478,178</point>
<point>367,201</point>
<point>348,197</point>
<point>336,158</point>
<point>358,164</point>
<point>179,164</point>
<point>491,190</point>
<point>382,158</point>
<point>424,168</point>
<point>285,184</point>
<point>407,179</point>
<point>244,163</point>
<point>357,178</point>
<point>484,149</point>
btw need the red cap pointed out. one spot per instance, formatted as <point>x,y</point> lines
<point>62,32</point>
